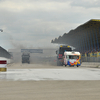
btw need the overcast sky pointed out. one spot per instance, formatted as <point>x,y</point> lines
<point>34,23</point>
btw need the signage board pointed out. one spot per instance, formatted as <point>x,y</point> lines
<point>32,50</point>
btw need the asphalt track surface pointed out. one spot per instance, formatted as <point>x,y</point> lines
<point>46,82</point>
<point>51,74</point>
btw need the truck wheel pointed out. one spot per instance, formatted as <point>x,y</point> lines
<point>77,65</point>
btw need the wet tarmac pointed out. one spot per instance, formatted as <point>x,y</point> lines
<point>51,74</point>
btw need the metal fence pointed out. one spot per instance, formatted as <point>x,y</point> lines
<point>90,59</point>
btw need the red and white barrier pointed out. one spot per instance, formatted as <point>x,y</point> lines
<point>3,65</point>
<point>8,60</point>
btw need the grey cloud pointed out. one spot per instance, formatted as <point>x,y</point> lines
<point>37,0</point>
<point>38,27</point>
<point>86,3</point>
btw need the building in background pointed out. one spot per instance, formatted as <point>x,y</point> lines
<point>5,55</point>
<point>85,38</point>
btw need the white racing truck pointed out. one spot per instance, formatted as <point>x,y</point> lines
<point>72,58</point>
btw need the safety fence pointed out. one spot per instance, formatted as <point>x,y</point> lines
<point>91,57</point>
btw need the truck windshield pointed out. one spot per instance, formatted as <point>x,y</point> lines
<point>63,49</point>
<point>73,57</point>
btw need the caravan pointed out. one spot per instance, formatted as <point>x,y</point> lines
<point>72,58</point>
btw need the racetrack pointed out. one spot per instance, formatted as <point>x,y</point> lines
<point>48,72</point>
<point>46,82</point>
<point>50,90</point>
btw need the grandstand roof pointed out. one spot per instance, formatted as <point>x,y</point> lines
<point>4,53</point>
<point>86,35</point>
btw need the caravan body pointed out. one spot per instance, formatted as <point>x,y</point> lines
<point>72,58</point>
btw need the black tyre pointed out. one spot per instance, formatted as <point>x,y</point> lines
<point>77,65</point>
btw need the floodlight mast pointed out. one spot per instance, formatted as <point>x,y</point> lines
<point>1,30</point>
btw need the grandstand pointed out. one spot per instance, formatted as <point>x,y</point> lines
<point>85,38</point>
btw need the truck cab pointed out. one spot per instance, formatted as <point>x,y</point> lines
<point>26,57</point>
<point>60,53</point>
